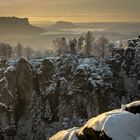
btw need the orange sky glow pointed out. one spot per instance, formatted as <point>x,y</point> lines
<point>43,11</point>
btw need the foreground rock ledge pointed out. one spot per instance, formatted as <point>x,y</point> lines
<point>119,124</point>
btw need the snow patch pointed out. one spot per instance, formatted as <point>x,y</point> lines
<point>122,126</point>
<point>10,68</point>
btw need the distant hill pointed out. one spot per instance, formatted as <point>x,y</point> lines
<point>18,26</point>
<point>64,24</point>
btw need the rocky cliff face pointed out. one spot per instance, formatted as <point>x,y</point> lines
<point>13,21</point>
<point>18,26</point>
<point>43,96</point>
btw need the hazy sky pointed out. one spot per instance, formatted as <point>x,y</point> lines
<point>72,10</point>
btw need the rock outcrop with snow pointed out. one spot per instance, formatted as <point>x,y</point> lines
<point>117,124</point>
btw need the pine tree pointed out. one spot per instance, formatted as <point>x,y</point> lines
<point>89,43</point>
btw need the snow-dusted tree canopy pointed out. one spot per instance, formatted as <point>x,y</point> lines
<point>39,97</point>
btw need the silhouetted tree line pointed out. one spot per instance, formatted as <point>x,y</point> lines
<point>5,50</point>
<point>8,51</point>
<point>84,45</point>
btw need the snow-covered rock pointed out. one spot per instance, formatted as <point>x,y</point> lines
<point>116,125</point>
<point>122,125</point>
<point>70,134</point>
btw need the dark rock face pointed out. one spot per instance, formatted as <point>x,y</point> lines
<point>47,69</point>
<point>24,80</point>
<point>45,96</point>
